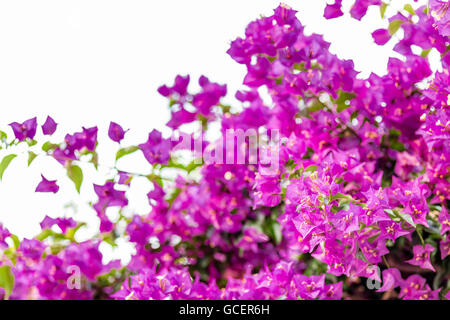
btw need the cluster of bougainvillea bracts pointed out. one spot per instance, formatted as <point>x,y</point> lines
<point>49,271</point>
<point>350,201</point>
<point>283,282</point>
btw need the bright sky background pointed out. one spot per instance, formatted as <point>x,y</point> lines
<point>88,62</point>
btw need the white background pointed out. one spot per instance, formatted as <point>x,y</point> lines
<point>86,63</point>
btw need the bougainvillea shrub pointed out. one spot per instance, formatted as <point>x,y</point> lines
<point>321,184</point>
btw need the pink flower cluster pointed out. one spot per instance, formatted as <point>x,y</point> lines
<point>360,189</point>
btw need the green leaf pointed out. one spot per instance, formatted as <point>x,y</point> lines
<point>94,159</point>
<point>3,136</point>
<point>31,157</point>
<point>15,240</point>
<point>425,53</point>
<point>6,280</point>
<point>299,67</point>
<point>394,26</point>
<point>406,217</point>
<point>172,163</point>
<point>70,234</point>
<point>192,166</point>
<point>109,238</point>
<point>316,106</point>
<point>296,174</point>
<point>398,146</point>
<point>173,196</point>
<point>410,9</point>
<point>155,178</point>
<point>49,146</point>
<point>76,175</point>
<point>44,234</point>
<point>31,142</point>
<point>124,151</point>
<point>383,8</point>
<point>5,163</point>
<point>343,100</point>
<point>395,133</point>
<point>311,168</point>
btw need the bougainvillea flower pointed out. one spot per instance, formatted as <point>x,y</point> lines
<point>62,223</point>
<point>359,8</point>
<point>406,164</point>
<point>333,10</point>
<point>439,10</point>
<point>24,130</point>
<point>87,257</point>
<point>179,87</point>
<point>156,149</point>
<point>444,219</point>
<point>392,230</point>
<point>422,256</point>
<point>49,126</point>
<point>332,291</point>
<point>87,138</point>
<point>4,233</point>
<point>309,287</point>
<point>209,96</point>
<point>439,92</point>
<point>47,185</point>
<point>381,36</point>
<point>115,132</point>
<point>32,248</point>
<point>251,238</point>
<point>356,165</point>
<point>76,143</point>
<point>157,193</point>
<point>392,278</point>
<point>180,117</point>
<point>109,195</point>
<point>124,178</point>
<point>445,247</point>
<point>415,288</point>
<point>139,231</point>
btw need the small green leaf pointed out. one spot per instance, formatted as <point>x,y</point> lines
<point>383,8</point>
<point>409,9</point>
<point>49,146</point>
<point>124,151</point>
<point>395,133</point>
<point>311,168</point>
<point>425,53</point>
<point>394,26</point>
<point>343,101</point>
<point>31,142</point>
<point>3,136</point>
<point>398,146</point>
<point>15,240</point>
<point>76,175</point>
<point>406,217</point>
<point>31,157</point>
<point>299,67</point>
<point>6,280</point>
<point>94,159</point>
<point>296,174</point>
<point>109,238</point>
<point>5,163</point>
<point>316,106</point>
<point>374,237</point>
<point>44,234</point>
